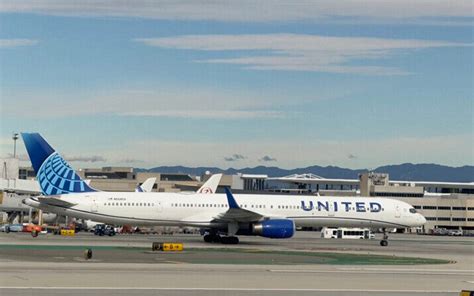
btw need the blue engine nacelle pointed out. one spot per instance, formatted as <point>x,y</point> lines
<point>277,228</point>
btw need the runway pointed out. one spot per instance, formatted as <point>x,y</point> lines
<point>108,273</point>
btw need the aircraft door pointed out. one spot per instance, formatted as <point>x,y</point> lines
<point>94,206</point>
<point>398,212</point>
<point>158,207</point>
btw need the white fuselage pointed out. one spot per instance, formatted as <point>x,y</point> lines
<point>201,210</point>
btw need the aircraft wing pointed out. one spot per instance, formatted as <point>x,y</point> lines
<point>211,184</point>
<point>236,213</point>
<point>55,202</point>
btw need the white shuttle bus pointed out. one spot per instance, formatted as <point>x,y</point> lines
<point>347,233</point>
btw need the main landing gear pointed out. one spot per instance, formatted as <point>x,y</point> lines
<point>384,241</point>
<point>215,238</point>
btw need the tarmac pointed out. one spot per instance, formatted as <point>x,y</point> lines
<point>304,265</point>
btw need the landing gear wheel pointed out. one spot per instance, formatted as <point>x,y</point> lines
<point>384,241</point>
<point>230,240</point>
<point>208,238</point>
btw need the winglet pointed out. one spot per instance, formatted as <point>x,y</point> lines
<point>230,199</point>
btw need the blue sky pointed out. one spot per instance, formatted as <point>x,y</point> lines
<point>188,83</point>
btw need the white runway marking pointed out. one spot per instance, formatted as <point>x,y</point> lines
<point>380,271</point>
<point>235,289</point>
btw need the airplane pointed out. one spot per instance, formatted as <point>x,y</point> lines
<point>146,186</point>
<point>210,186</point>
<point>222,216</point>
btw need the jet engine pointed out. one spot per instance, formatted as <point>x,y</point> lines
<point>274,228</point>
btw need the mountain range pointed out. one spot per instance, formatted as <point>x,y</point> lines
<point>405,172</point>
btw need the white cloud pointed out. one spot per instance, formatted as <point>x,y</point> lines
<point>93,158</point>
<point>194,104</point>
<point>369,11</point>
<point>10,43</point>
<point>209,114</point>
<point>297,52</point>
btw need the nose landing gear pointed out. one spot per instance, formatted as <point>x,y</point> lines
<point>384,241</point>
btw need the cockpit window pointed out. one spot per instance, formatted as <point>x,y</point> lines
<point>412,210</point>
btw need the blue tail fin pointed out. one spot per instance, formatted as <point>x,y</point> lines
<point>54,174</point>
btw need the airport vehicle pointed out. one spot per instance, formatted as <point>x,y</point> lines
<point>224,216</point>
<point>455,232</point>
<point>347,233</point>
<point>25,227</point>
<point>440,231</point>
<point>102,229</point>
<point>7,228</point>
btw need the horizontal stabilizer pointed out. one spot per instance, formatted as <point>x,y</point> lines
<point>56,202</point>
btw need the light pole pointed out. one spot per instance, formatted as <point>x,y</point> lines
<point>14,137</point>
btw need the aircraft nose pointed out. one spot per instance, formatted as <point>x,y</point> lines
<point>422,219</point>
